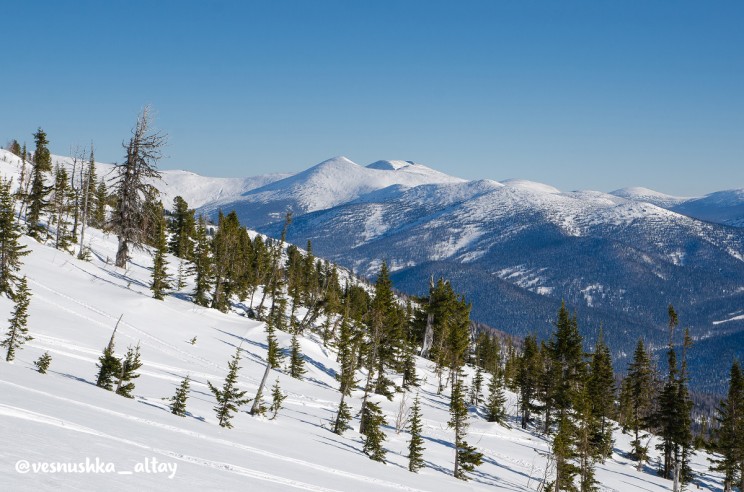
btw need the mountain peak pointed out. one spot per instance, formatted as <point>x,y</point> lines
<point>386,165</point>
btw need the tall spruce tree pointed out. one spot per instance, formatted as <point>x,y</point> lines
<point>183,229</point>
<point>528,374</point>
<point>495,411</point>
<point>159,284</point>
<point>37,197</point>
<point>11,250</point>
<point>17,333</point>
<point>728,438</point>
<point>202,265</point>
<point>229,398</point>
<point>416,443</point>
<point>637,399</point>
<point>466,456</point>
<point>601,397</point>
<point>347,358</point>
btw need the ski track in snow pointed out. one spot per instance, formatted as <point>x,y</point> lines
<point>19,413</point>
<point>169,348</point>
<point>197,435</point>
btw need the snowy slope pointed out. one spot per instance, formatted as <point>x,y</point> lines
<point>63,417</point>
<point>641,194</point>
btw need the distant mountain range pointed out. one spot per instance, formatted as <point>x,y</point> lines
<point>517,248</point>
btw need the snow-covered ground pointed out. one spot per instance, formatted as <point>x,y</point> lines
<point>63,418</point>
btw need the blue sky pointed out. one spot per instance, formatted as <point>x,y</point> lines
<point>580,95</point>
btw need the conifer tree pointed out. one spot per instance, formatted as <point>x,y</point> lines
<point>277,397</point>
<point>229,398</point>
<point>296,361</point>
<point>476,387</point>
<point>42,363</point>
<point>528,374</point>
<point>129,366</point>
<point>17,333</point>
<point>274,353</point>
<point>99,206</point>
<point>183,230</point>
<point>373,443</point>
<point>728,439</point>
<point>567,368</point>
<point>202,265</point>
<point>601,396</point>
<point>11,251</point>
<point>134,186</point>
<point>109,367</point>
<point>347,358</point>
<point>416,443</point>
<point>466,456</point>
<point>637,397</point>
<point>178,401</point>
<point>564,452</point>
<point>37,202</point>
<point>60,208</point>
<point>160,283</point>
<point>495,411</point>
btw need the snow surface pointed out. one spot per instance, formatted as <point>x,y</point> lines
<point>62,417</point>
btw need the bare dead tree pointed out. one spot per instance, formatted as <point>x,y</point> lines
<point>133,184</point>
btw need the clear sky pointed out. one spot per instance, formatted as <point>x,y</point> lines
<point>580,95</point>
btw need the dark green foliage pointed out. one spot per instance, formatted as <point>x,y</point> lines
<point>466,456</point>
<point>60,208</point>
<point>159,284</point>
<point>601,394</point>
<point>347,358</point>
<point>386,330</point>
<point>672,418</point>
<point>202,265</point>
<point>229,398</point>
<point>98,210</point>
<point>277,397</point>
<point>296,361</point>
<point>416,443</point>
<point>37,197</point>
<point>476,388</point>
<point>183,230</point>
<point>17,333</point>
<point>42,363</point>
<point>564,452</point>
<point>375,437</point>
<point>636,400</point>
<point>343,417</point>
<point>495,411</point>
<point>129,367</point>
<point>109,367</point>
<point>528,377</point>
<point>178,401</point>
<point>274,353</point>
<point>11,251</point>
<point>728,439</point>
<point>228,262</point>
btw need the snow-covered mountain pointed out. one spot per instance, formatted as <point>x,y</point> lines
<point>326,185</point>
